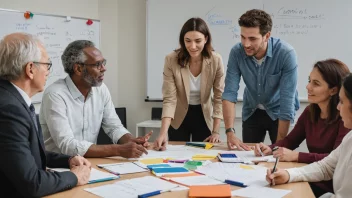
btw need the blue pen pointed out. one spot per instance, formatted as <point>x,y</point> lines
<point>235,183</point>
<point>149,194</point>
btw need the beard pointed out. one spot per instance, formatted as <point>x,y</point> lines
<point>91,80</point>
<point>261,46</point>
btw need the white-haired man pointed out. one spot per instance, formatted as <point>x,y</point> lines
<point>24,67</point>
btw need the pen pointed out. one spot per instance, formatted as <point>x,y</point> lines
<point>235,183</point>
<point>157,192</point>
<point>276,162</point>
<point>149,194</point>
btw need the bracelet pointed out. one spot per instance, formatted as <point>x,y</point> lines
<point>216,132</point>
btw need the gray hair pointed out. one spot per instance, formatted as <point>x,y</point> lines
<point>74,54</point>
<point>16,50</point>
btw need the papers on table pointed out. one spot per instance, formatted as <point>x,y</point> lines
<point>95,175</point>
<point>246,174</point>
<point>131,188</point>
<point>263,192</point>
<point>122,168</point>
<point>199,180</point>
<point>247,157</point>
<point>179,152</point>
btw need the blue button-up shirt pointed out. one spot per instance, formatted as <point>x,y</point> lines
<point>273,84</point>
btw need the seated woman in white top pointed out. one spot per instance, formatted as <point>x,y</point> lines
<point>337,165</point>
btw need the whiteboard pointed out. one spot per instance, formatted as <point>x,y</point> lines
<point>317,29</point>
<point>54,31</point>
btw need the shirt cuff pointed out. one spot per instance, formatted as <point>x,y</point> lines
<point>293,174</point>
<point>119,133</point>
<point>82,148</point>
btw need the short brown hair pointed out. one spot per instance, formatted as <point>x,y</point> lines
<point>256,18</point>
<point>193,24</point>
<point>333,72</point>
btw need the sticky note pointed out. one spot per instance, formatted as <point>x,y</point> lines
<point>246,167</point>
<point>152,161</point>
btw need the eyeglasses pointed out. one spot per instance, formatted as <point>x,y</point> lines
<point>49,65</point>
<point>97,64</point>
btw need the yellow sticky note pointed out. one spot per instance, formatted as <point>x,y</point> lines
<point>152,161</point>
<point>246,167</point>
<point>203,157</point>
<point>208,146</point>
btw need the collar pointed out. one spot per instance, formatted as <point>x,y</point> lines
<point>72,88</point>
<point>269,51</point>
<point>24,95</point>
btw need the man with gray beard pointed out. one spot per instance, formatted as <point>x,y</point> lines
<point>75,108</point>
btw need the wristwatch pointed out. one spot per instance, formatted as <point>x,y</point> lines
<point>230,130</point>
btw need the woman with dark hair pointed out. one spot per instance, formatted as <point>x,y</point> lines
<point>320,123</point>
<point>337,165</point>
<point>192,88</point>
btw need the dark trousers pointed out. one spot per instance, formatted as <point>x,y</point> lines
<point>193,125</point>
<point>255,127</point>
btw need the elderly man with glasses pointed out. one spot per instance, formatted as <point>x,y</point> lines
<point>75,108</point>
<point>24,68</point>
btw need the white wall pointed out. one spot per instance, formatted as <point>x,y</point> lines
<point>105,10</point>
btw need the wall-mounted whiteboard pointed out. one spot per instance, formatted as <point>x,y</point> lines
<point>55,32</point>
<point>317,29</point>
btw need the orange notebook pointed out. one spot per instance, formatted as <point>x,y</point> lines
<point>210,191</point>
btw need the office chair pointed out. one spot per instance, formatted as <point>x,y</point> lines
<point>105,139</point>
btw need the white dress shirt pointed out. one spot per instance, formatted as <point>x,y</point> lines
<point>337,166</point>
<point>71,125</point>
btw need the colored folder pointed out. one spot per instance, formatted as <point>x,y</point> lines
<point>210,191</point>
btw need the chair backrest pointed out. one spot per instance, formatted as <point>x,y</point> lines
<point>156,113</point>
<point>105,139</point>
<point>121,112</point>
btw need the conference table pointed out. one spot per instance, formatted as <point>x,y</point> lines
<point>299,189</point>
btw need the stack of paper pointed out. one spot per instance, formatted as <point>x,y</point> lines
<point>122,168</point>
<point>245,174</point>
<point>95,175</point>
<point>263,192</point>
<point>131,188</point>
<point>198,180</point>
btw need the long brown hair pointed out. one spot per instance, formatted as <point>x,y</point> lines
<point>347,85</point>
<point>333,72</point>
<point>193,24</point>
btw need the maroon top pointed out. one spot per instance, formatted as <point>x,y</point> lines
<point>321,138</point>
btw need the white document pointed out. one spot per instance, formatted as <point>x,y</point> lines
<point>122,168</point>
<point>131,188</point>
<point>95,175</point>
<point>262,192</point>
<point>200,180</point>
<point>249,157</point>
<point>250,175</point>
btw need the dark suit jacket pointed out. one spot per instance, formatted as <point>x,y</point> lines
<point>23,159</point>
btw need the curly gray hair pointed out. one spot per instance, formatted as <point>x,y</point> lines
<point>74,54</point>
<point>16,50</point>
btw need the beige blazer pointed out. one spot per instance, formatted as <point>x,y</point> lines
<point>176,89</point>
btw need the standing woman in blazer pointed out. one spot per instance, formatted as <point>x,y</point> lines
<point>192,88</point>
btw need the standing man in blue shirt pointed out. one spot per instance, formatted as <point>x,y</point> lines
<point>268,67</point>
